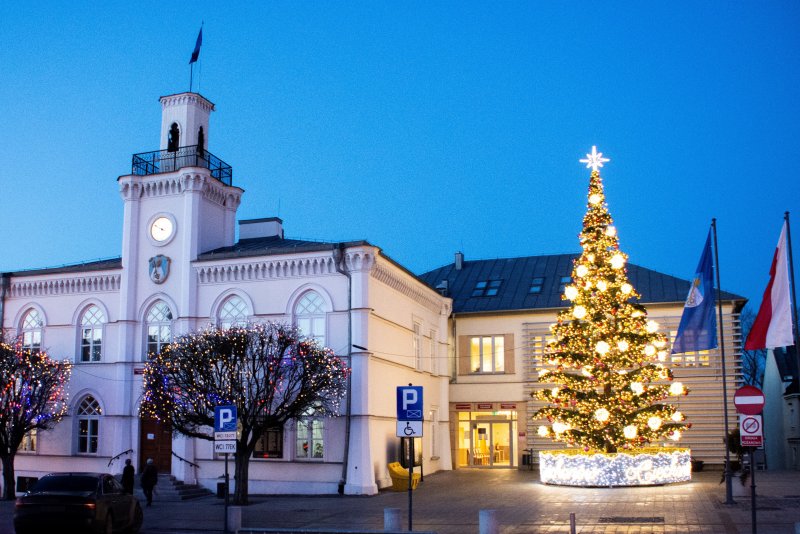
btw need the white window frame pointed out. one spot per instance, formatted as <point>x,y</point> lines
<point>88,412</point>
<point>312,319</point>
<point>305,434</point>
<point>158,326</point>
<point>233,312</point>
<point>416,345</point>
<point>495,368</point>
<point>32,329</point>
<point>95,326</point>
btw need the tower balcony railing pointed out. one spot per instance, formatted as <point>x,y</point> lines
<point>162,161</point>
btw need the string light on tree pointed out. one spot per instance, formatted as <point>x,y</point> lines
<point>603,352</point>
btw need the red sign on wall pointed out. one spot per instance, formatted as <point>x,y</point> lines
<point>485,405</point>
<point>463,406</point>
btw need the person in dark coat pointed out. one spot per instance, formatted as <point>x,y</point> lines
<point>127,477</point>
<point>149,480</point>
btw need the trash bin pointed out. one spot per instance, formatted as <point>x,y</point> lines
<point>221,490</point>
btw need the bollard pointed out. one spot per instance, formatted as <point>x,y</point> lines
<point>572,523</point>
<point>487,522</point>
<point>234,518</point>
<point>391,520</point>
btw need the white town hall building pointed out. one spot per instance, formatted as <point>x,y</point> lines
<point>182,268</point>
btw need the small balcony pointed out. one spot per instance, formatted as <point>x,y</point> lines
<point>162,161</point>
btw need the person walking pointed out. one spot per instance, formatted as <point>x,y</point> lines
<point>149,480</point>
<point>127,477</point>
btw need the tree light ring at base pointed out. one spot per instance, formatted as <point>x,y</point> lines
<point>648,467</point>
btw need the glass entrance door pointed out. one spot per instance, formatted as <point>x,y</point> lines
<point>491,444</point>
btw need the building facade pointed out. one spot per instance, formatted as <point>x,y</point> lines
<point>182,269</point>
<point>502,312</point>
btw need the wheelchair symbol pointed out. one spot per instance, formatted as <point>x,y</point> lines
<point>408,431</point>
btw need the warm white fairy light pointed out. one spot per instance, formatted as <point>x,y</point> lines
<point>617,261</point>
<point>637,388</point>
<point>662,355</point>
<point>677,417</point>
<point>602,285</point>
<point>595,199</point>
<point>602,347</point>
<point>676,388</point>
<point>543,431</point>
<point>579,312</point>
<point>602,415</point>
<point>654,422</point>
<point>622,345</point>
<point>650,350</point>
<point>560,427</point>
<point>652,327</point>
<point>630,431</point>
<point>663,466</point>
<point>571,292</point>
<point>581,271</point>
<point>611,231</point>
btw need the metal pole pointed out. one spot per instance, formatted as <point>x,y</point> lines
<point>191,75</point>
<point>226,494</point>
<point>410,478</point>
<point>792,287</point>
<point>753,490</point>
<point>728,482</point>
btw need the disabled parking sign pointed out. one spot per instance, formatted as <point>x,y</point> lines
<point>409,411</point>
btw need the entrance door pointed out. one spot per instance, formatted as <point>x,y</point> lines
<point>155,441</point>
<point>491,445</point>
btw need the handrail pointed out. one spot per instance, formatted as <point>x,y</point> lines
<point>185,460</point>
<point>111,461</point>
<point>160,161</point>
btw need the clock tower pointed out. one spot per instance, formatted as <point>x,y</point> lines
<point>178,202</point>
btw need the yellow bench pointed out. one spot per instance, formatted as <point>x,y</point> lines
<point>399,476</point>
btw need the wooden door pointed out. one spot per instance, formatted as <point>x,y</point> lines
<point>155,441</point>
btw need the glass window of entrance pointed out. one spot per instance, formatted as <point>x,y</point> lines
<point>487,354</point>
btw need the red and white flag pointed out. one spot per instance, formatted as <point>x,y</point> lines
<point>773,325</point>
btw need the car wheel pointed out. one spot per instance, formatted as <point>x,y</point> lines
<point>136,522</point>
<point>109,527</point>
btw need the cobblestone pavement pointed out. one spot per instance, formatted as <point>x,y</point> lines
<point>449,503</point>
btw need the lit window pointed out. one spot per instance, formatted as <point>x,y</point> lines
<point>486,288</point>
<point>32,325</point>
<point>310,316</point>
<point>88,425</point>
<point>92,334</point>
<point>159,327</point>
<point>29,441</point>
<point>232,313</point>
<point>310,443</point>
<point>536,285</point>
<point>487,354</point>
<point>689,359</point>
<point>270,444</point>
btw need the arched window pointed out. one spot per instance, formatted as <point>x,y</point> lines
<point>309,315</point>
<point>173,138</point>
<point>32,326</point>
<point>233,312</point>
<point>92,334</point>
<point>201,142</point>
<point>159,327</point>
<point>89,413</point>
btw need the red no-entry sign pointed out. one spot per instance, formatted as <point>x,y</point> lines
<point>749,400</point>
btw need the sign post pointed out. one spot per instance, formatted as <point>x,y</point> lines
<point>409,425</point>
<point>225,424</point>
<point>749,402</point>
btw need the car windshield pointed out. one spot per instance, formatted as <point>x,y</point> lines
<point>66,483</point>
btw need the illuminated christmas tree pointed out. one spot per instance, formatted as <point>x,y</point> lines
<point>605,380</point>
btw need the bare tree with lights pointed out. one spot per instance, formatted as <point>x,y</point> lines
<point>606,383</point>
<point>268,371</point>
<point>32,397</point>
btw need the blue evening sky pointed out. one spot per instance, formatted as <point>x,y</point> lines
<point>423,127</point>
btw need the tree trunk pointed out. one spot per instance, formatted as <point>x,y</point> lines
<point>241,473</point>
<point>9,491</point>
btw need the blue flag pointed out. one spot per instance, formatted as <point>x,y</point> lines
<point>199,42</point>
<point>698,328</point>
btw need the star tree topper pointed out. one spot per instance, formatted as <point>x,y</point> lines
<point>594,160</point>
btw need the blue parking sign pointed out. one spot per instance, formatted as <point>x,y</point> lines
<point>225,418</point>
<point>409,403</point>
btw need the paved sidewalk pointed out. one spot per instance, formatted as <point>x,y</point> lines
<point>448,503</point>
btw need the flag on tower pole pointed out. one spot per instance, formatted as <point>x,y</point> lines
<point>196,52</point>
<point>773,325</point>
<point>698,327</point>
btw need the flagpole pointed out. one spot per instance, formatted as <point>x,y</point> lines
<point>191,75</point>
<point>727,472</point>
<point>793,293</point>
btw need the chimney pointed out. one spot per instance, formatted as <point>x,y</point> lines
<point>255,228</point>
<point>459,261</point>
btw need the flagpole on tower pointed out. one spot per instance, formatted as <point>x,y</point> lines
<point>728,484</point>
<point>195,55</point>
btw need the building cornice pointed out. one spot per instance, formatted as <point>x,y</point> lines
<point>99,283</point>
<point>271,269</point>
<point>184,98</point>
<point>133,187</point>
<point>386,275</point>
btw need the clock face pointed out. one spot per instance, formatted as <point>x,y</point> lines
<point>161,229</point>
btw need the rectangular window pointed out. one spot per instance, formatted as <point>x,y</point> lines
<point>29,442</point>
<point>536,285</point>
<point>486,288</point>
<point>310,440</point>
<point>565,280</point>
<point>417,346</point>
<point>91,344</point>
<point>487,354</point>
<point>270,444</point>
<point>434,365</point>
<point>87,435</point>
<point>32,340</point>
